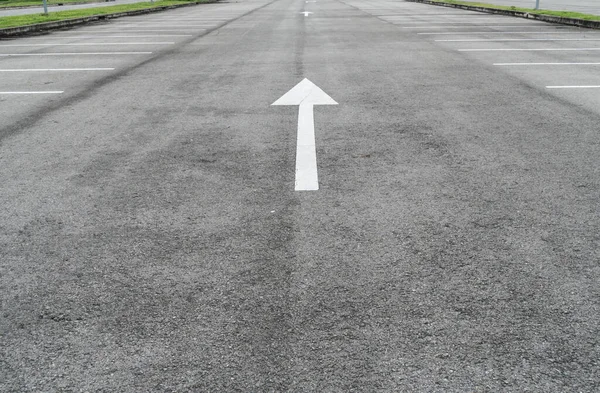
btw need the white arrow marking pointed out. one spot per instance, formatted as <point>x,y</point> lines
<point>306,13</point>
<point>306,95</point>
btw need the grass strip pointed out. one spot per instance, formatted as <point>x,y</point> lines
<point>560,14</point>
<point>26,20</point>
<point>38,3</point>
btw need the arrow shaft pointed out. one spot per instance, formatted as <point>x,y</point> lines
<point>307,178</point>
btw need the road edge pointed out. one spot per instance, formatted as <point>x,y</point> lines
<point>48,26</point>
<point>590,24</point>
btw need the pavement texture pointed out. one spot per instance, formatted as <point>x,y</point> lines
<point>151,238</point>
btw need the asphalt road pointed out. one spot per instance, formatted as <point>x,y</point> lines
<point>151,238</point>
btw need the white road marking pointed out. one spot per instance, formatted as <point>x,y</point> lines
<point>136,31</point>
<point>306,13</point>
<point>31,92</point>
<point>116,36</point>
<point>475,27</point>
<point>55,69</point>
<point>518,39</point>
<point>541,64</point>
<point>526,49</point>
<point>172,25</point>
<point>73,54</point>
<point>500,32</point>
<point>573,87</point>
<point>448,23</point>
<point>441,19</point>
<point>306,95</point>
<point>92,44</point>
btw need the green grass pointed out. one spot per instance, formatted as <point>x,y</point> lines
<point>562,14</point>
<point>38,3</point>
<point>25,20</point>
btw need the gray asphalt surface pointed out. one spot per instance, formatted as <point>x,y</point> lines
<point>53,8</point>
<point>151,238</point>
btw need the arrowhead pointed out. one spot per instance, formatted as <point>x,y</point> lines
<point>305,92</point>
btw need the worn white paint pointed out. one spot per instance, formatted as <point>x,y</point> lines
<point>74,54</point>
<point>91,44</point>
<point>542,64</point>
<point>30,92</point>
<point>519,39</point>
<point>573,87</point>
<point>500,32</point>
<point>526,49</point>
<point>54,69</point>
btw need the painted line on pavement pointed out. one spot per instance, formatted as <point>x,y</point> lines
<point>573,87</point>
<point>450,23</point>
<point>92,44</point>
<point>142,31</point>
<point>74,54</point>
<point>519,39</point>
<point>440,19</point>
<point>474,27</point>
<point>55,69</point>
<point>541,64</point>
<point>499,32</point>
<point>117,36</point>
<point>526,49</point>
<point>170,24</point>
<point>30,92</point>
<point>306,95</point>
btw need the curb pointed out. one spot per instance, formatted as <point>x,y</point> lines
<point>47,26</point>
<point>590,24</point>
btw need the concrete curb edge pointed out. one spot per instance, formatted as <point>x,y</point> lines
<point>15,31</point>
<point>590,24</point>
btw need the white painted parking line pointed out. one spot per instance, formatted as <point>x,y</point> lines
<point>136,31</point>
<point>442,19</point>
<point>30,92</point>
<point>573,87</point>
<point>171,25</point>
<point>526,49</point>
<point>116,36</point>
<point>518,39</point>
<point>92,44</point>
<point>74,54</point>
<point>500,32</point>
<point>54,69</point>
<point>476,26</point>
<point>448,23</point>
<point>541,64</point>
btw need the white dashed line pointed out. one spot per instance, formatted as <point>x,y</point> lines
<point>73,54</point>
<point>92,44</point>
<point>465,27</point>
<point>30,92</point>
<point>55,69</point>
<point>541,64</point>
<point>526,49</point>
<point>500,32</point>
<point>519,39</point>
<point>573,87</point>
<point>118,36</point>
